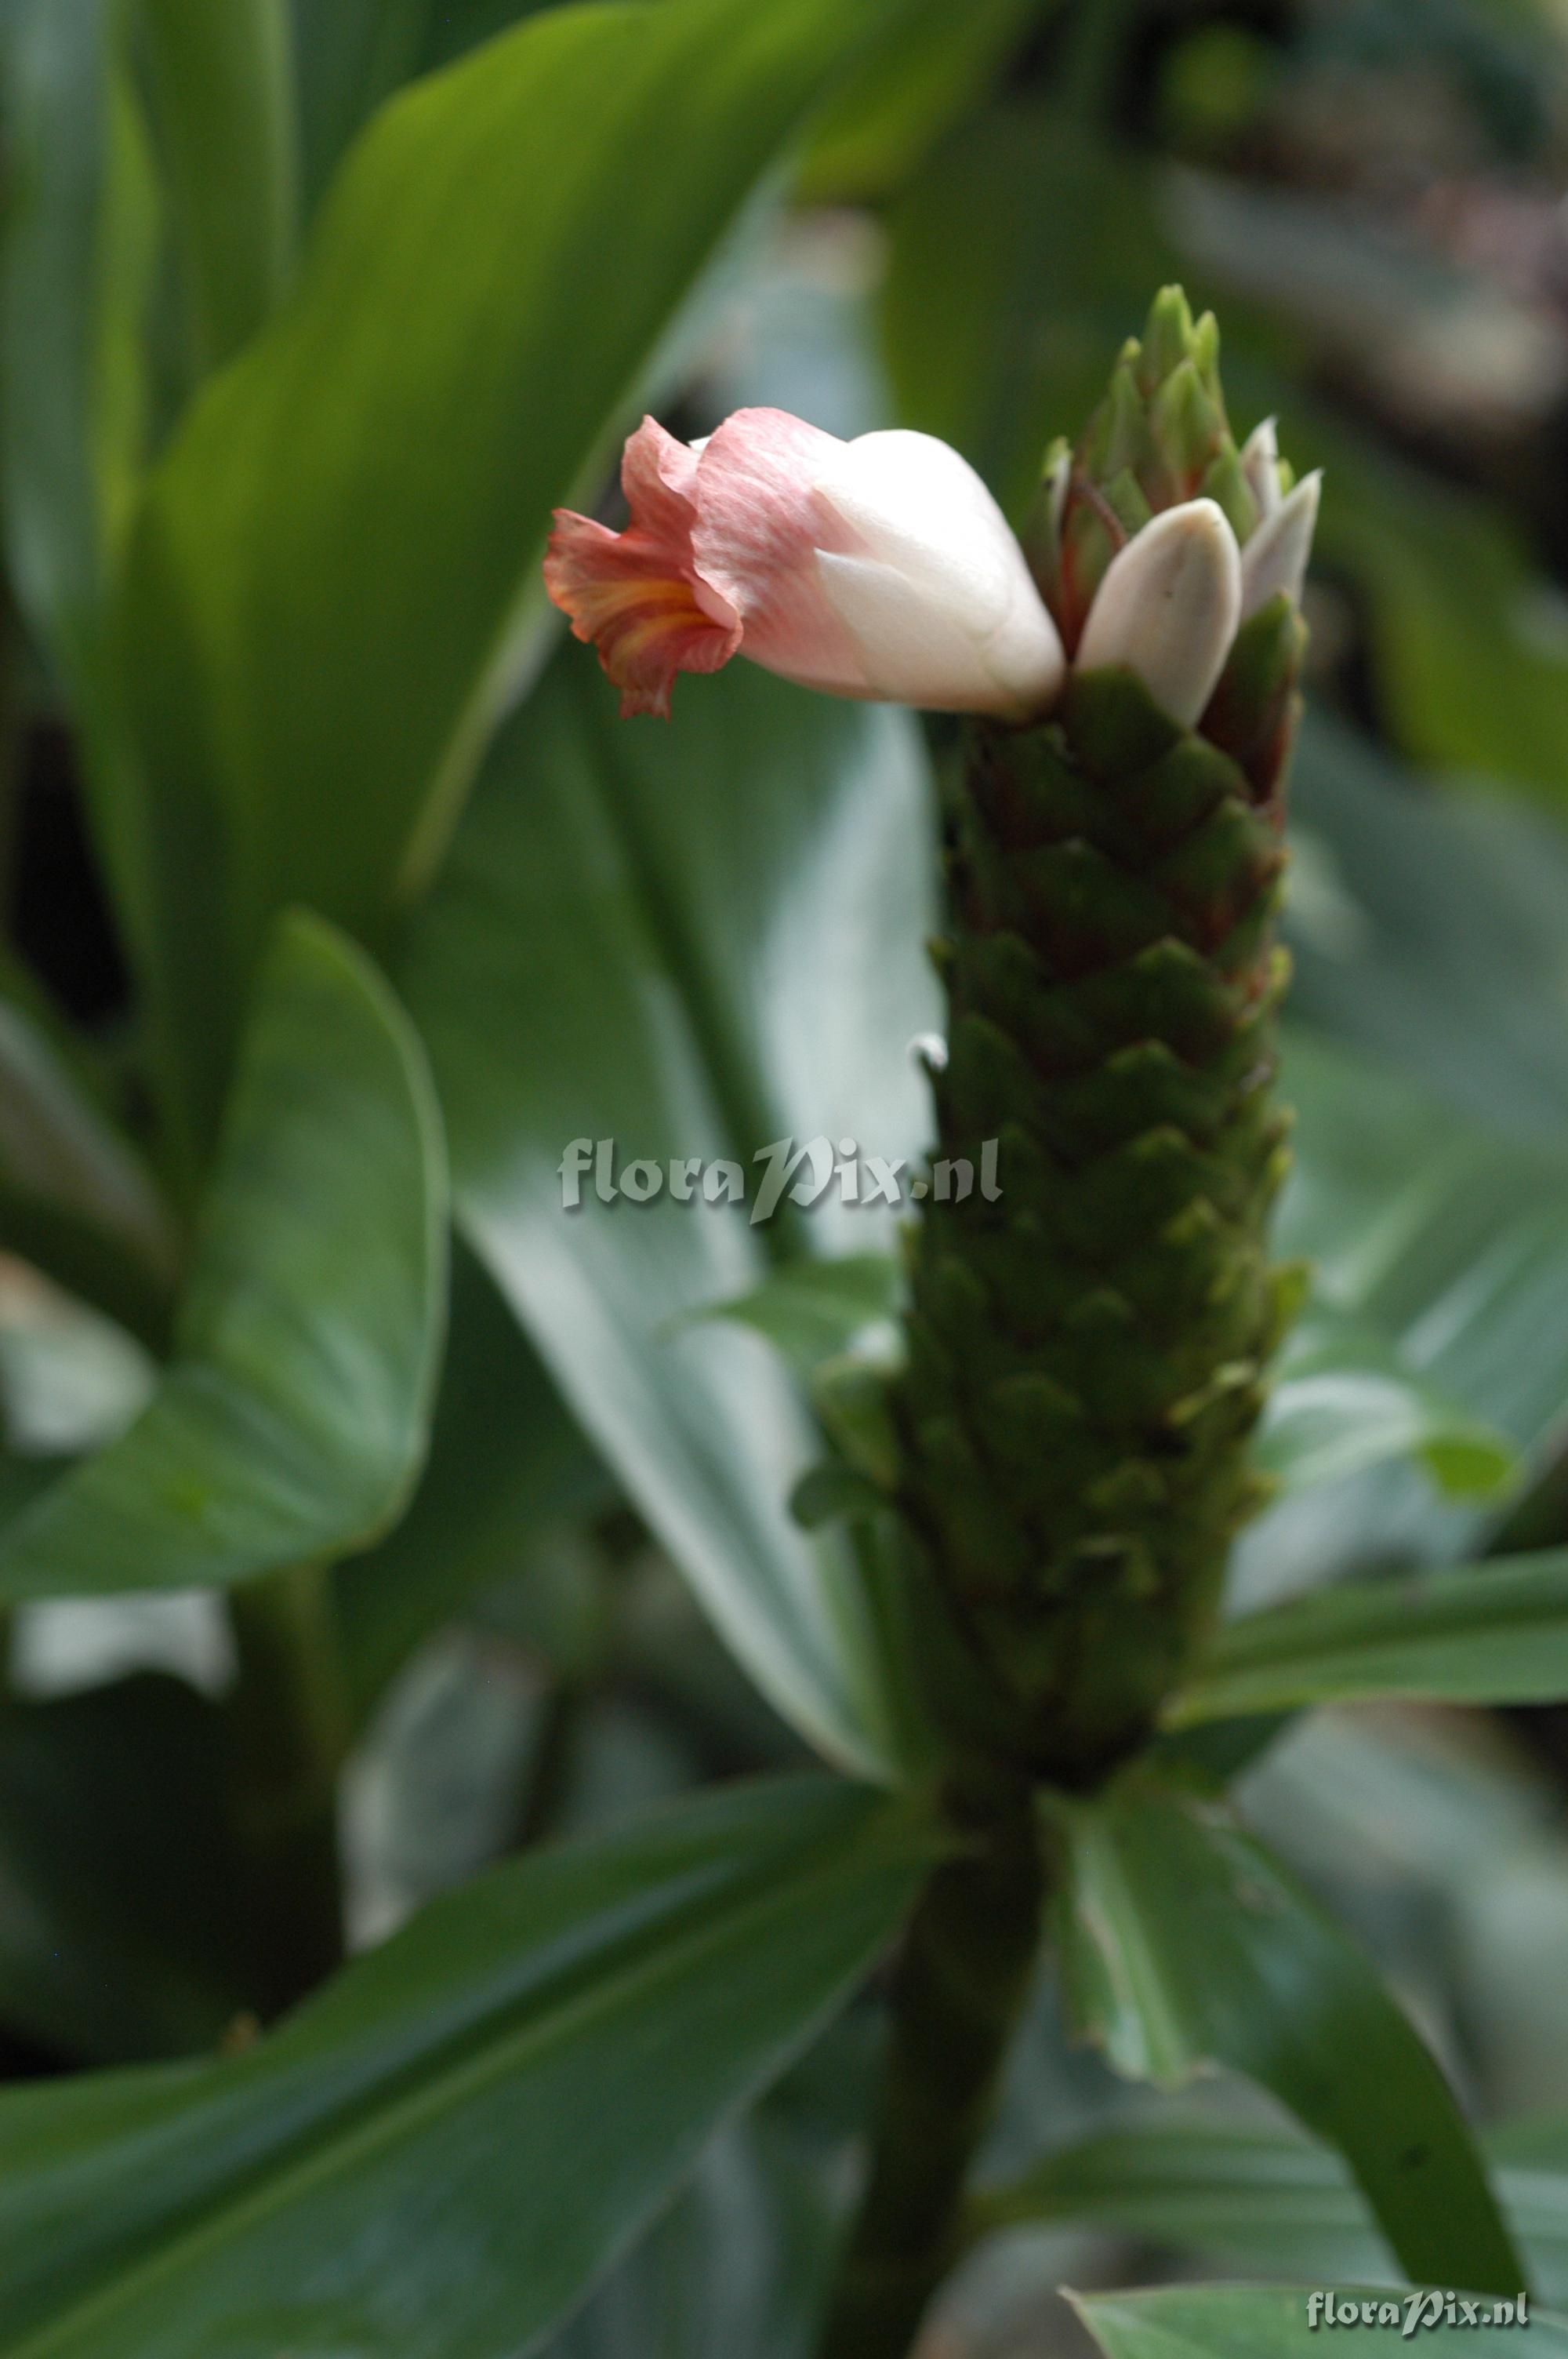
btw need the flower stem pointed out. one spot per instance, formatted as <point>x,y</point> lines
<point>960,1987</point>
<point>290,1731</point>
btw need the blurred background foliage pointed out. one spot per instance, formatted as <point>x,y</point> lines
<point>1372,195</point>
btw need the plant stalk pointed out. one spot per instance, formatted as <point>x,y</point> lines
<point>289,1729</point>
<point>960,1987</point>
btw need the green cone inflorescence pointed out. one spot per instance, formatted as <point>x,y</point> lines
<point>1088,1353</point>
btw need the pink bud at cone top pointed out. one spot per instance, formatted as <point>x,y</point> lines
<point>1169,607</point>
<point>879,569</point>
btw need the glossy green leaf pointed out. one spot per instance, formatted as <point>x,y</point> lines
<point>1184,1944</point>
<point>1494,1633</point>
<point>1271,2322</point>
<point>505,1459</point>
<point>693,941</point>
<point>352,54</point>
<point>293,1418</point>
<point>441,2152</point>
<point>73,271</point>
<point>1466,637</point>
<point>1447,1238</point>
<point>1345,1399</point>
<point>1242,2193</point>
<point>328,578</point>
<point>226,115</point>
<point>1426,927</point>
<point>811,1310</point>
<point>1253,2195</point>
<point>74,1197</point>
<point>890,114</point>
<point>738,2267</point>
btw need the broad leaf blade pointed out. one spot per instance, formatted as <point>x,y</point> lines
<point>1426,926</point>
<point>1492,1633</point>
<point>1251,2195</point>
<point>441,2152</point>
<point>1243,2194</point>
<point>691,941</point>
<point>293,1418</point>
<point>1184,1944</point>
<point>505,1459</point>
<point>325,588</point>
<point>350,55</point>
<point>75,266</point>
<point>74,1197</point>
<point>1447,1238</point>
<point>811,1310</point>
<point>1345,1397</point>
<point>230,141</point>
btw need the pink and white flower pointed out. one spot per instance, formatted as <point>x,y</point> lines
<point>879,569</point>
<point>883,569</point>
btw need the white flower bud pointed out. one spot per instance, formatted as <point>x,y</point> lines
<point>933,585</point>
<point>881,568</point>
<point>1260,466</point>
<point>1275,558</point>
<point>1169,607</point>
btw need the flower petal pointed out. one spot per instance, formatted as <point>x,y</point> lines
<point>1275,558</point>
<point>1169,607</point>
<point>759,523</point>
<point>627,593</point>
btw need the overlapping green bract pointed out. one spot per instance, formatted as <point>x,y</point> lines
<point>1087,1350</point>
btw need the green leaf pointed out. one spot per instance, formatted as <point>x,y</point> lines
<point>692,940</point>
<point>1466,638</point>
<point>74,268</point>
<point>1184,1945</point>
<point>1494,1633</point>
<point>505,1459</point>
<point>440,2153</point>
<point>1271,2322</point>
<point>336,568</point>
<point>352,54</point>
<point>892,113</point>
<point>1253,2195</point>
<point>1345,1399</point>
<point>1426,927</point>
<point>1447,1238</point>
<point>810,1310</point>
<point>75,1198</point>
<point>738,2267</point>
<point>226,115</point>
<point>1242,2193</point>
<point>293,1418</point>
